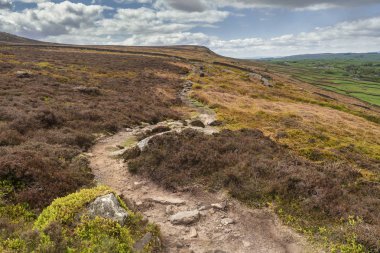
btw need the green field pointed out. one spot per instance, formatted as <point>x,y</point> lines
<point>355,75</point>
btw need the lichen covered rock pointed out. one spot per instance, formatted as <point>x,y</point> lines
<point>108,207</point>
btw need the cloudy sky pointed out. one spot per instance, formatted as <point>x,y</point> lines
<point>239,28</point>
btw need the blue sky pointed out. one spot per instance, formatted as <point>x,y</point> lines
<point>239,28</point>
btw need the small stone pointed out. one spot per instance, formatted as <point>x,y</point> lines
<point>193,233</point>
<point>227,221</point>
<point>246,244</point>
<point>197,123</point>
<point>216,123</point>
<point>185,218</point>
<point>138,185</point>
<point>220,206</point>
<point>180,245</point>
<point>167,201</point>
<point>118,153</point>
<point>23,74</point>
<point>202,208</point>
<point>87,90</point>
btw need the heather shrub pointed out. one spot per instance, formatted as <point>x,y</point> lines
<point>47,120</point>
<point>256,170</point>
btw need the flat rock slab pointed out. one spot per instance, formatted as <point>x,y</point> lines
<point>167,201</point>
<point>185,218</point>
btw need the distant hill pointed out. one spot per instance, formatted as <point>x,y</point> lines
<point>375,56</point>
<point>14,39</point>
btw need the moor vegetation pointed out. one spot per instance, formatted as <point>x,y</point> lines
<point>54,103</point>
<point>311,155</point>
<point>323,199</point>
<point>46,120</point>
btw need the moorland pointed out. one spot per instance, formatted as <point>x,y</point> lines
<point>286,143</point>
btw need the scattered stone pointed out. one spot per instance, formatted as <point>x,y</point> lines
<point>193,233</point>
<point>23,74</point>
<point>220,206</point>
<point>202,208</point>
<point>139,203</point>
<point>246,244</point>
<point>145,124</point>
<point>227,221</point>
<point>266,82</point>
<point>180,245</point>
<point>87,90</point>
<point>185,218</point>
<point>108,206</point>
<point>118,153</point>
<point>197,123</point>
<point>138,185</point>
<point>216,123</point>
<point>119,147</point>
<point>167,201</point>
<point>144,241</point>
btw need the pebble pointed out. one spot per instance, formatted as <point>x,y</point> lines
<point>193,233</point>
<point>227,221</point>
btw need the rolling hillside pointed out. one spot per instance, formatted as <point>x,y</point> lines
<point>230,146</point>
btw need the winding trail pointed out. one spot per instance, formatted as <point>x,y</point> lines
<point>226,227</point>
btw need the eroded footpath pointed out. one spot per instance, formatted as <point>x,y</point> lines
<point>191,222</point>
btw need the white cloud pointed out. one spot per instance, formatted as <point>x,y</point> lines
<point>163,24</point>
<point>356,36</point>
<point>51,18</point>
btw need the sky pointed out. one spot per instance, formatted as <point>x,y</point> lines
<point>237,28</point>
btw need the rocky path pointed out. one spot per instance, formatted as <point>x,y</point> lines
<point>196,221</point>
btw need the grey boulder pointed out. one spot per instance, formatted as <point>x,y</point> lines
<point>108,207</point>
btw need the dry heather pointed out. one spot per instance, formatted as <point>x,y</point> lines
<point>66,97</point>
<point>257,171</point>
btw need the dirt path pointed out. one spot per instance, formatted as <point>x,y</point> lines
<point>219,224</point>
